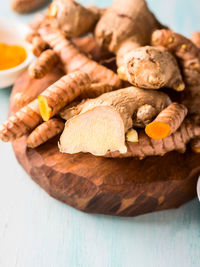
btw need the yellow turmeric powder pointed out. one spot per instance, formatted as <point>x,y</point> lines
<point>11,56</point>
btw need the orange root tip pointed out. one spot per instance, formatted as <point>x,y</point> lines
<point>44,108</point>
<point>158,130</point>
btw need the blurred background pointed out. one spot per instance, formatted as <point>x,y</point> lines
<point>180,15</point>
<point>38,231</point>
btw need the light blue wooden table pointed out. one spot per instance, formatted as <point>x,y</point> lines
<point>38,231</point>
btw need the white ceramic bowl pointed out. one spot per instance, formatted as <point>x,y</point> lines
<point>13,32</point>
<point>198,189</point>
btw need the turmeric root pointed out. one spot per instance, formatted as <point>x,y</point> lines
<point>41,66</point>
<point>195,38</point>
<point>26,6</point>
<point>31,88</point>
<point>28,117</point>
<point>72,18</point>
<point>100,124</point>
<point>21,99</point>
<point>19,124</point>
<point>44,132</point>
<point>126,26</point>
<point>95,90</point>
<point>150,147</point>
<point>185,51</point>
<point>167,122</point>
<point>61,93</point>
<point>195,145</point>
<point>73,59</point>
<point>151,68</point>
<point>39,45</point>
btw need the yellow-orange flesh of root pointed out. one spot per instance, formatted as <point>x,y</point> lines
<point>167,121</point>
<point>96,131</point>
<point>158,130</point>
<point>52,11</point>
<point>45,110</point>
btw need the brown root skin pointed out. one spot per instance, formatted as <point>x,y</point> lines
<point>61,93</point>
<point>124,27</point>
<point>73,59</point>
<point>167,122</point>
<point>72,18</point>
<point>43,64</point>
<point>191,99</point>
<point>195,38</point>
<point>150,147</point>
<point>128,102</point>
<point>184,49</point>
<point>74,108</point>
<point>99,125</point>
<point>22,122</point>
<point>21,99</point>
<point>31,88</point>
<point>95,90</point>
<point>88,46</point>
<point>28,117</point>
<point>152,68</point>
<point>26,6</point>
<point>39,45</point>
<point>195,145</point>
<point>44,132</point>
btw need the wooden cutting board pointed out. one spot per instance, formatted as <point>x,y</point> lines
<point>124,187</point>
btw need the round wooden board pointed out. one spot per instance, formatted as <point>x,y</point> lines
<point>124,187</point>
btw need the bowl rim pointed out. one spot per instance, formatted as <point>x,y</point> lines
<point>21,65</point>
<point>24,44</point>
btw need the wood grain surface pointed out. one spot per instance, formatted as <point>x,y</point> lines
<point>124,187</point>
<point>39,231</point>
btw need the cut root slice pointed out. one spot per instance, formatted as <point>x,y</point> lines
<point>132,136</point>
<point>45,110</point>
<point>96,131</point>
<point>158,130</point>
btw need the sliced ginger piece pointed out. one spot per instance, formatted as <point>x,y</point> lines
<point>132,136</point>
<point>96,131</point>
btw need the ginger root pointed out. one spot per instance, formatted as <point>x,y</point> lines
<point>195,38</point>
<point>43,64</point>
<point>167,122</point>
<point>28,117</point>
<point>72,18</point>
<point>73,59</point>
<point>61,93</point>
<point>150,147</point>
<point>95,90</point>
<point>26,6</point>
<point>185,51</point>
<point>99,125</point>
<point>151,68</point>
<point>126,26</point>
<point>44,132</point>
